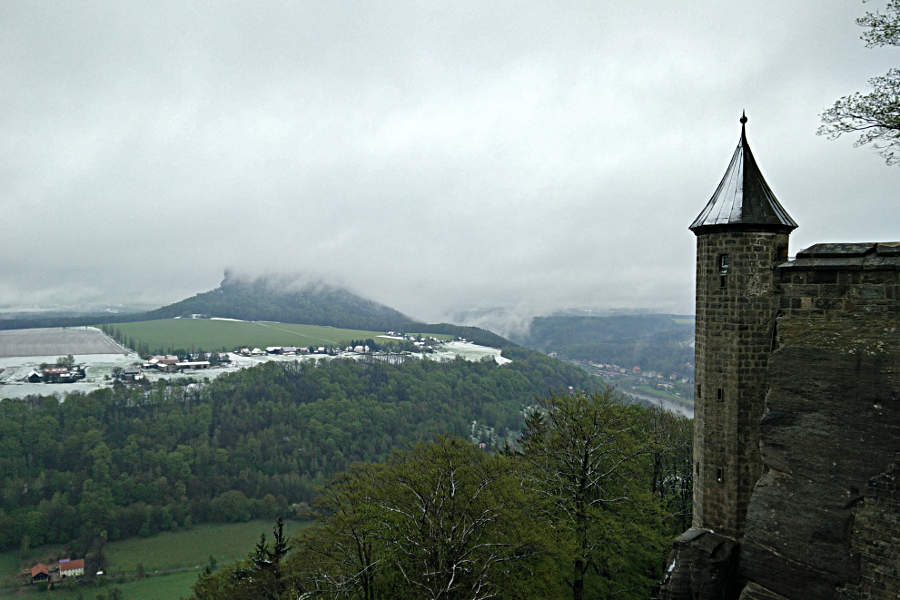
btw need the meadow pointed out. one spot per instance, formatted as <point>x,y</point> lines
<point>171,561</point>
<point>215,334</point>
<point>225,542</point>
<point>171,586</point>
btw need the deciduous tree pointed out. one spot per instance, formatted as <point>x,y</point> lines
<point>443,521</point>
<point>874,115</point>
<point>589,462</point>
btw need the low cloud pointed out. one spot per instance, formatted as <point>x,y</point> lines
<point>428,157</point>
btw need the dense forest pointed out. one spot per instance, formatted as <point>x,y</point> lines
<point>584,507</point>
<point>141,459</point>
<point>658,342</point>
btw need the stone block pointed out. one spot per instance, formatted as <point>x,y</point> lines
<point>701,567</point>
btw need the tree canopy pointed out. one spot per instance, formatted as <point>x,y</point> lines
<point>873,115</point>
<point>577,510</point>
<point>144,458</point>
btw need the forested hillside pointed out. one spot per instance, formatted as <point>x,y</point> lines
<point>137,460</point>
<point>660,342</point>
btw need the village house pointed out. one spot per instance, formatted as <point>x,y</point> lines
<point>39,573</point>
<point>165,362</point>
<point>64,568</point>
<point>193,364</point>
<point>71,567</point>
<point>165,367</point>
<point>61,374</point>
<point>131,374</point>
<point>167,359</point>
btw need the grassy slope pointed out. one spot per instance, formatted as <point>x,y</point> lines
<point>9,568</point>
<point>163,587</point>
<point>211,334</point>
<point>172,550</point>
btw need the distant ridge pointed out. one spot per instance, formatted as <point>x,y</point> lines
<point>276,298</point>
<point>280,298</point>
<point>656,341</point>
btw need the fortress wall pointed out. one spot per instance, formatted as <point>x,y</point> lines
<point>823,518</point>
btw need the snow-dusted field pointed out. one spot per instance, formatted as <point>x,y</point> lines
<point>99,368</point>
<point>467,350</point>
<point>57,341</point>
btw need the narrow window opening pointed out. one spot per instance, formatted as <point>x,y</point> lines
<point>698,390</point>
<point>723,264</point>
<point>720,474</point>
<point>697,467</point>
<point>719,394</point>
<point>721,281</point>
<point>781,253</point>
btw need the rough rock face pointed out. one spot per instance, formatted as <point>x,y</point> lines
<point>824,513</point>
<point>827,432</point>
<point>702,566</point>
<point>875,541</point>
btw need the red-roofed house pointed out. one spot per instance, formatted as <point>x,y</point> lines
<point>163,359</point>
<point>40,572</point>
<point>71,568</point>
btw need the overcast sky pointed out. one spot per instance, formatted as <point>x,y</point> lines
<point>431,156</point>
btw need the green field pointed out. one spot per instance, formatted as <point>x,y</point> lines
<point>189,549</point>
<point>209,334</point>
<point>161,587</point>
<point>171,550</point>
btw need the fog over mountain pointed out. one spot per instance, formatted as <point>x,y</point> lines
<point>433,157</point>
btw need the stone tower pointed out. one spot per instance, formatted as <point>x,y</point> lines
<point>742,233</point>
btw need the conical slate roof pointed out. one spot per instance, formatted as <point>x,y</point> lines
<point>743,198</point>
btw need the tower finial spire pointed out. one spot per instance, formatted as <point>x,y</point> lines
<point>743,198</point>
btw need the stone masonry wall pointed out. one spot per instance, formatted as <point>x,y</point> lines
<point>735,317</point>
<point>822,521</point>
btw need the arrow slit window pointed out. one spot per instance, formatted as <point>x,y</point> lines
<point>723,269</point>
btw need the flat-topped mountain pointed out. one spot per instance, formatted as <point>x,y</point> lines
<point>281,298</point>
